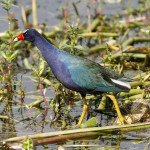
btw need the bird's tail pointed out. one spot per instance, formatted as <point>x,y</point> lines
<point>122,85</point>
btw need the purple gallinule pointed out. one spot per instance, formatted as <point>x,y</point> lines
<point>77,73</point>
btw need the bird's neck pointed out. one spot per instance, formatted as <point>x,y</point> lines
<point>43,45</point>
<point>48,51</point>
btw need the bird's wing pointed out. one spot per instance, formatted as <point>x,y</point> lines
<point>89,75</point>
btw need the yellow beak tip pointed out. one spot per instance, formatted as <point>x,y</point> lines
<point>15,40</point>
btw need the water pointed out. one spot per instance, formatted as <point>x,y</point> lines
<point>49,11</point>
<point>24,121</point>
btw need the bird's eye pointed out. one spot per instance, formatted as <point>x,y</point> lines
<point>26,34</point>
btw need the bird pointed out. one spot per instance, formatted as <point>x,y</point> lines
<point>77,73</point>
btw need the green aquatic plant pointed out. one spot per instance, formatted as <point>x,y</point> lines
<point>8,53</point>
<point>71,42</point>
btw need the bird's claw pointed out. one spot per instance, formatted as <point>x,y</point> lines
<point>123,120</point>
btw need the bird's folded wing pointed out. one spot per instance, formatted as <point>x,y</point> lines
<point>90,77</point>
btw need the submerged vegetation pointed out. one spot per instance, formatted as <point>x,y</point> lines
<point>120,42</point>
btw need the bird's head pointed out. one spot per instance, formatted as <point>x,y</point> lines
<point>28,35</point>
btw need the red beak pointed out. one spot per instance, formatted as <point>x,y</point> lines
<point>20,37</point>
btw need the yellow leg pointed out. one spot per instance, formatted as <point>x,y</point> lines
<point>121,118</point>
<point>85,107</point>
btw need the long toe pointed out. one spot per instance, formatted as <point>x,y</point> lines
<point>123,120</point>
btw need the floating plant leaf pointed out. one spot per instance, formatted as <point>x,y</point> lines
<point>27,144</point>
<point>92,122</point>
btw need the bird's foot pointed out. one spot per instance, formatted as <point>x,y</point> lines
<point>120,117</point>
<point>123,120</point>
<point>75,126</point>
